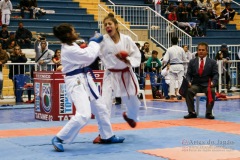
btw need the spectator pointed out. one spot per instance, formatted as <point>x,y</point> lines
<point>153,63</point>
<point>182,17</point>
<point>218,58</point>
<point>189,56</point>
<point>43,54</point>
<point>6,8</point>
<point>201,4</point>
<point>17,57</point>
<point>138,70</point>
<point>57,60</point>
<point>194,4</point>
<point>28,5</point>
<point>4,35</point>
<point>226,57</point>
<point>212,19</point>
<point>10,39</point>
<point>203,21</point>
<point>146,50</point>
<point>172,17</point>
<point>23,36</point>
<point>3,59</point>
<point>3,55</point>
<point>11,45</point>
<point>202,76</point>
<point>169,9</point>
<point>228,13</point>
<point>209,5</point>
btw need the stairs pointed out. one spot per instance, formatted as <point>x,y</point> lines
<point>7,83</point>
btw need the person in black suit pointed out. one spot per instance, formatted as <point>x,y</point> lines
<point>199,82</point>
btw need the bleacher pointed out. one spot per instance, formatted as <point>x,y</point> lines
<point>58,11</point>
<point>65,11</point>
<point>229,36</point>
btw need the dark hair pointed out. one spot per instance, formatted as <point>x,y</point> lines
<point>4,25</point>
<point>154,52</point>
<point>64,33</point>
<point>203,44</point>
<point>217,57</point>
<point>137,44</point>
<point>55,53</point>
<point>174,40</point>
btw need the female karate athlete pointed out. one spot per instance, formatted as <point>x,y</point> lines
<point>81,89</point>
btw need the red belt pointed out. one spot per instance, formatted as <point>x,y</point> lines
<point>125,70</point>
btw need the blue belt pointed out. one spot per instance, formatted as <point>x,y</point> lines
<point>81,70</point>
<point>175,63</point>
<point>84,70</point>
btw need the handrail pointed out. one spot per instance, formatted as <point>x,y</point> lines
<point>124,29</point>
<point>160,29</point>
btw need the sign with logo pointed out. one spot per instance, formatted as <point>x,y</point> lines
<point>37,96</point>
<point>65,105</point>
<point>46,97</point>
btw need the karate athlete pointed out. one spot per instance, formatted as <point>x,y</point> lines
<point>175,55</point>
<point>119,54</point>
<point>81,89</point>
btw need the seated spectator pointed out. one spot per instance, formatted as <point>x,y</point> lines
<point>182,17</point>
<point>172,17</point>
<point>150,67</point>
<point>6,8</point>
<point>4,35</point>
<point>201,4</point>
<point>212,19</point>
<point>209,5</point>
<point>189,12</point>
<point>203,21</point>
<point>169,9</point>
<point>194,4</point>
<point>23,36</point>
<point>11,38</point>
<point>11,45</point>
<point>57,60</point>
<point>27,5</point>
<point>17,57</point>
<point>228,13</point>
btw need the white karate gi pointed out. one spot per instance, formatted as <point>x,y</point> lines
<point>78,91</point>
<point>189,56</point>
<point>176,56</point>
<point>157,6</point>
<point>113,85</point>
<point>6,8</point>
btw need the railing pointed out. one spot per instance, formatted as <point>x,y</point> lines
<point>213,49</point>
<point>26,68</point>
<point>160,29</point>
<point>234,72</point>
<point>102,13</point>
<point>236,3</point>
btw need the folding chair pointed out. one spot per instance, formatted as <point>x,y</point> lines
<point>20,84</point>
